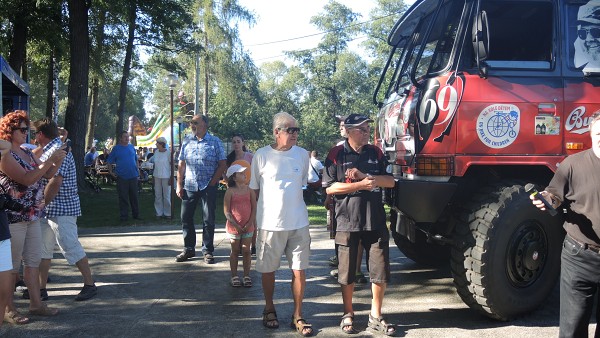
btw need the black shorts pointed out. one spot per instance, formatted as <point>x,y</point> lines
<point>377,248</point>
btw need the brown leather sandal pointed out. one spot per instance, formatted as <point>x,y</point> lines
<point>302,326</point>
<point>270,320</point>
<point>14,317</point>
<point>347,326</point>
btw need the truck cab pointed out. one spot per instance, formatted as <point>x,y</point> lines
<point>477,99</point>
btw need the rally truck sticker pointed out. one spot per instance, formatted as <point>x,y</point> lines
<point>547,125</point>
<point>498,125</point>
<point>577,122</point>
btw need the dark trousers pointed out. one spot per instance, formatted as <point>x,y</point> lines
<point>207,198</point>
<point>128,194</point>
<point>579,280</point>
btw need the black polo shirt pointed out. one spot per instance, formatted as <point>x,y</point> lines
<point>361,210</point>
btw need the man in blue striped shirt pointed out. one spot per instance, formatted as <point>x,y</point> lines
<point>62,209</point>
<point>201,166</point>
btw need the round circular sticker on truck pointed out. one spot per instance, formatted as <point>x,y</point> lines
<point>498,125</point>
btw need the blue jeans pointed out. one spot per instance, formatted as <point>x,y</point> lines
<point>579,280</point>
<point>188,207</point>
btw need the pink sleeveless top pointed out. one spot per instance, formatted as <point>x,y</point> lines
<point>241,209</point>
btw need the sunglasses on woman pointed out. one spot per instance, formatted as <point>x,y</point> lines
<point>22,129</point>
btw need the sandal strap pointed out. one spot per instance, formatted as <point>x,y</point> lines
<point>378,324</point>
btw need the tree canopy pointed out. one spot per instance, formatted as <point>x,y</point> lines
<point>104,61</point>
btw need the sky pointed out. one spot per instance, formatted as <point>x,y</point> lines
<point>278,20</point>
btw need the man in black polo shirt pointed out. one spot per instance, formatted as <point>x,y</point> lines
<point>354,174</point>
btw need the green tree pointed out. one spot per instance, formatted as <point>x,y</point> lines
<point>339,82</point>
<point>382,20</point>
<point>221,53</point>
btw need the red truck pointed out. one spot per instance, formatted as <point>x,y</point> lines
<point>477,99</point>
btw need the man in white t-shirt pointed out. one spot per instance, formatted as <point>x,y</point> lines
<point>279,171</point>
<point>315,168</point>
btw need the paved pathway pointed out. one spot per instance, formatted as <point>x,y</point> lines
<point>144,293</point>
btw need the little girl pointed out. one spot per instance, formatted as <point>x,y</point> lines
<point>239,207</point>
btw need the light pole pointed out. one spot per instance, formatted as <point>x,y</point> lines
<point>171,81</point>
<point>179,121</point>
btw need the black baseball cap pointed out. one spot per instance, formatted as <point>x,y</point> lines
<point>354,120</point>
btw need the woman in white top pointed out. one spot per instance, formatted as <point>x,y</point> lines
<point>162,181</point>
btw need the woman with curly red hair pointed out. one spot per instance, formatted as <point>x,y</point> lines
<point>20,174</point>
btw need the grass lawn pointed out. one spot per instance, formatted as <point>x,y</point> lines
<point>102,209</point>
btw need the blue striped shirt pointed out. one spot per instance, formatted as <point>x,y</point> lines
<point>201,159</point>
<point>66,202</point>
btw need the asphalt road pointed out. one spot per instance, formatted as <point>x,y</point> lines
<point>144,293</point>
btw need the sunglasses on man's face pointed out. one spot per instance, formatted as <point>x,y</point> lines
<point>291,130</point>
<point>583,32</point>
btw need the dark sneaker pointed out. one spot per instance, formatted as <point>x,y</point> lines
<point>333,261</point>
<point>43,294</point>
<point>20,285</point>
<point>185,255</point>
<point>209,258</point>
<point>87,292</point>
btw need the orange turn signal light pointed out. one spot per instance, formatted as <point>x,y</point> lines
<point>574,146</point>
<point>435,166</point>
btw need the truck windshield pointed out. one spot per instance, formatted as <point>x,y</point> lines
<point>428,54</point>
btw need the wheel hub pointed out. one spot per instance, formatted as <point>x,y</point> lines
<point>527,254</point>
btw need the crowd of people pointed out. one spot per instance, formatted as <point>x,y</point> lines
<point>265,212</point>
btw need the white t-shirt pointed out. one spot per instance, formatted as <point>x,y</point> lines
<point>161,164</point>
<point>280,176</point>
<point>312,174</point>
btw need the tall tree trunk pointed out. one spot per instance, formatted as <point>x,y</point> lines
<point>94,104</point>
<point>126,68</point>
<point>50,86</point>
<point>206,78</point>
<point>76,113</point>
<point>16,58</point>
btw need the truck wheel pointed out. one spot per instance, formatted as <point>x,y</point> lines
<point>506,260</point>
<point>420,252</point>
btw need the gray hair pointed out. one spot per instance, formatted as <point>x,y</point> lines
<point>282,120</point>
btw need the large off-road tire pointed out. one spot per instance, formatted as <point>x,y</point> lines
<point>507,255</point>
<point>420,252</point>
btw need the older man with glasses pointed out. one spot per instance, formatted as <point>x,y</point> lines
<point>201,165</point>
<point>354,174</point>
<point>279,171</point>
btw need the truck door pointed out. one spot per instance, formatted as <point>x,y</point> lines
<point>514,94</point>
